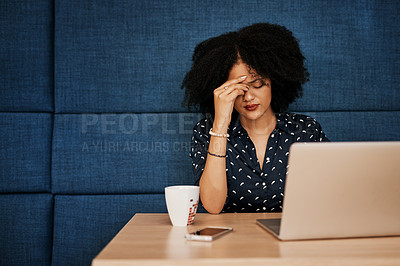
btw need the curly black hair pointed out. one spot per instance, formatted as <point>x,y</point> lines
<point>270,49</point>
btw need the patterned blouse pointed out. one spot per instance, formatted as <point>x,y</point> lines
<point>251,189</point>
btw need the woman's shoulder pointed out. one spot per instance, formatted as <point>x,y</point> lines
<point>298,119</point>
<point>304,126</point>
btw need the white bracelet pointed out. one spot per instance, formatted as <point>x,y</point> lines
<point>218,135</point>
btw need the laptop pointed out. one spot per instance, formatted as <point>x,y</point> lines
<point>340,190</point>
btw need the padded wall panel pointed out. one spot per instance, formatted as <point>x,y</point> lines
<point>360,126</point>
<point>25,140</point>
<point>125,56</point>
<point>26,222</point>
<point>352,53</point>
<point>121,153</point>
<point>143,153</point>
<point>26,55</point>
<point>83,225</point>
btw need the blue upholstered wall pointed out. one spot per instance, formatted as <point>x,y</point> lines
<point>91,125</point>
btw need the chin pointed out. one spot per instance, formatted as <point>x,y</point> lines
<point>251,115</point>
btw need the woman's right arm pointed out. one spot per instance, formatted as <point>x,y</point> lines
<point>213,183</point>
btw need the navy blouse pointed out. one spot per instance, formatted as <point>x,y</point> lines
<point>251,189</point>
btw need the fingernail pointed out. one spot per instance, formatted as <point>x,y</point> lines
<point>243,77</point>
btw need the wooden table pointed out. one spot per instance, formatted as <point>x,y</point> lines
<point>150,239</point>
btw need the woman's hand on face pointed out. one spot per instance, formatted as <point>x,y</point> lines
<point>224,99</point>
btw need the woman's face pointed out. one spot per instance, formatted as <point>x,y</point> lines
<point>256,102</point>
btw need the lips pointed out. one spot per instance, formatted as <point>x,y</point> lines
<point>251,107</point>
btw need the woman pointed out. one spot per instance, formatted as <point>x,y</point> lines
<point>243,82</point>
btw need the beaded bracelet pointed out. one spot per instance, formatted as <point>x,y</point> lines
<point>216,155</point>
<point>218,135</point>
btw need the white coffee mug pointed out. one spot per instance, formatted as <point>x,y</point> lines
<point>182,202</point>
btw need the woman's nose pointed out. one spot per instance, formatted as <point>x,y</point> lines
<point>248,96</point>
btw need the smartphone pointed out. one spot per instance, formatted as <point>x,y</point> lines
<point>209,233</point>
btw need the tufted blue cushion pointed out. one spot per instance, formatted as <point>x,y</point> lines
<point>83,225</point>
<point>110,153</point>
<point>121,153</point>
<point>26,55</point>
<point>124,56</point>
<point>360,126</point>
<point>26,222</point>
<point>25,140</point>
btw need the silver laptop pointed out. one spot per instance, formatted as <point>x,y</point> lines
<point>340,190</point>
